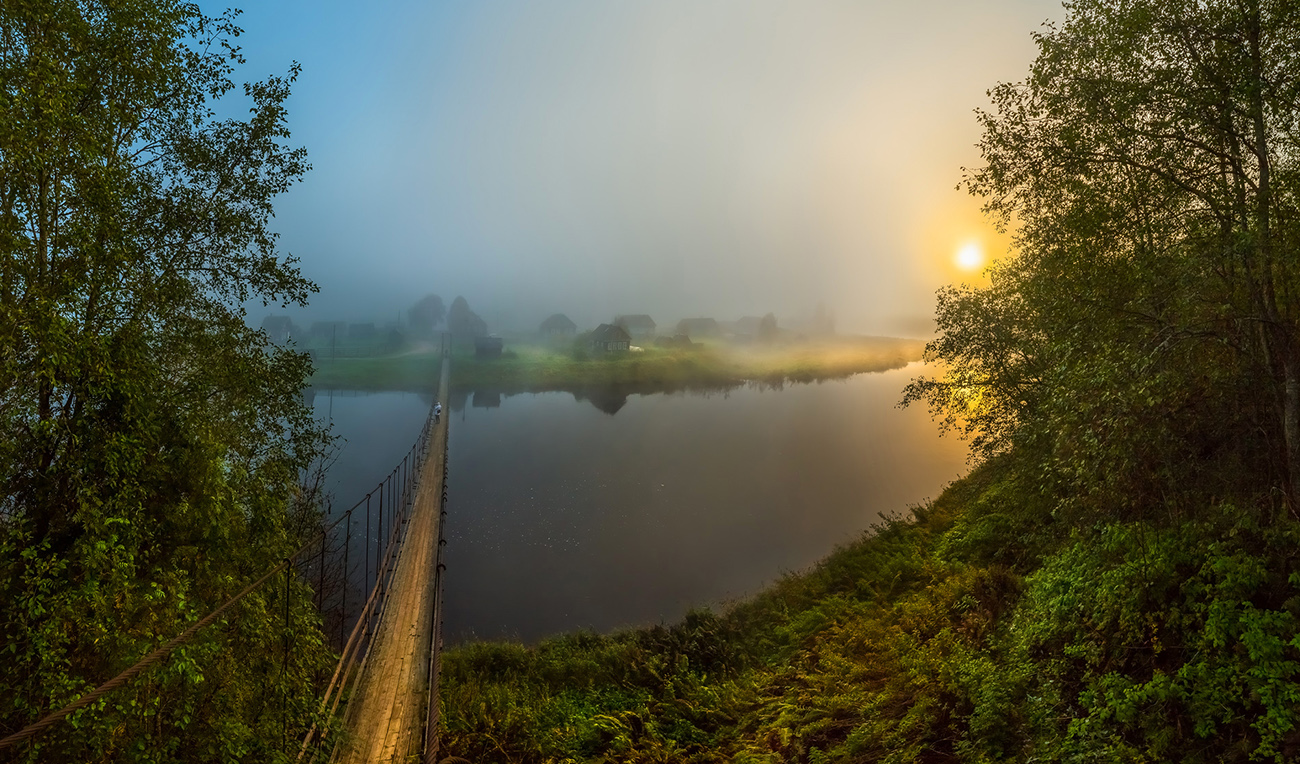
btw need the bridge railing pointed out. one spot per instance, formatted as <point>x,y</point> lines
<point>433,722</point>
<point>383,514</point>
<point>388,505</point>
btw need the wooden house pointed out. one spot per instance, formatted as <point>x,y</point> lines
<point>638,325</point>
<point>608,338</point>
<point>699,327</point>
<point>362,331</point>
<point>557,326</point>
<point>675,341</point>
<point>279,329</point>
<point>488,347</point>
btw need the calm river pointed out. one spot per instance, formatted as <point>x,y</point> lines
<point>563,516</point>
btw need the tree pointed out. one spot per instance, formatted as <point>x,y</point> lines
<point>767,328</point>
<point>463,322</point>
<point>150,445</point>
<point>1148,322</point>
<point>424,315</point>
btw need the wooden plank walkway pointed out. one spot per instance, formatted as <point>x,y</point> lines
<point>386,716</point>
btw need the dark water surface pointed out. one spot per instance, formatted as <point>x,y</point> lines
<point>562,516</point>
<point>375,431</point>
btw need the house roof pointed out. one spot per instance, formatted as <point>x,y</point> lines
<point>610,333</point>
<point>697,326</point>
<point>558,322</point>
<point>635,321</point>
<point>748,324</point>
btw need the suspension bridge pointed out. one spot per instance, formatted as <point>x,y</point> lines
<point>392,715</point>
<point>381,702</point>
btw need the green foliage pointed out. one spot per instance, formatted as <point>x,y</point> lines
<point>1144,321</point>
<point>1116,642</point>
<point>1117,581</point>
<point>426,313</point>
<point>150,443</point>
<point>463,323</point>
<point>637,696</point>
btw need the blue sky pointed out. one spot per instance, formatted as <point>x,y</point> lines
<point>681,158</point>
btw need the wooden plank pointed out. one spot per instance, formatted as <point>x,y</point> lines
<point>385,719</point>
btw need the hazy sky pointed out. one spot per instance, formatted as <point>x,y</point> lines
<point>677,157</point>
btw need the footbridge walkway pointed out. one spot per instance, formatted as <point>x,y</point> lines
<point>392,715</point>
<point>375,573</point>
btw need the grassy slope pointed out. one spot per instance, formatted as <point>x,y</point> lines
<point>981,630</point>
<point>415,372</point>
<point>539,368</point>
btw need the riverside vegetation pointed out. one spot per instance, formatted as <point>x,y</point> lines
<point>980,629</point>
<point>1118,578</point>
<point>536,367</point>
<point>151,444</point>
<point>1117,581</point>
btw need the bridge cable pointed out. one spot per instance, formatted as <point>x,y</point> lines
<point>164,650</point>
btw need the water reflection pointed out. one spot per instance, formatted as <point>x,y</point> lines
<point>611,398</point>
<point>562,517</point>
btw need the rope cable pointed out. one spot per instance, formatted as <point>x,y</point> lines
<point>164,650</point>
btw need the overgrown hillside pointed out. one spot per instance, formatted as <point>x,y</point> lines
<point>982,630</point>
<point>1119,581</point>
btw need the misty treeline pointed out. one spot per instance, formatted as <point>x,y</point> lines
<point>152,443</point>
<point>1117,580</point>
<point>428,313</point>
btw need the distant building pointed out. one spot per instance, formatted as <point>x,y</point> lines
<point>362,331</point>
<point>488,347</point>
<point>699,327</point>
<point>608,338</point>
<point>329,330</point>
<point>675,341</point>
<point>558,325</point>
<point>743,330</point>
<point>638,325</point>
<point>279,329</point>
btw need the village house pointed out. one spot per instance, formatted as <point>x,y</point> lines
<point>279,329</point>
<point>638,326</point>
<point>699,327</point>
<point>675,341</point>
<point>329,330</point>
<point>488,347</point>
<point>608,338</point>
<point>557,326</point>
<point>362,331</point>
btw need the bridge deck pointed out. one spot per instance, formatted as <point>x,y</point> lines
<point>386,715</point>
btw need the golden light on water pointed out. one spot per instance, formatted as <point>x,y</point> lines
<point>970,257</point>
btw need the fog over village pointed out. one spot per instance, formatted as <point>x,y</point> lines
<point>675,159</point>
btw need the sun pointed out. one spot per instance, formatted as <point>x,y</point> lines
<point>970,257</point>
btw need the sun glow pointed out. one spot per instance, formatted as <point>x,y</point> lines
<point>970,257</point>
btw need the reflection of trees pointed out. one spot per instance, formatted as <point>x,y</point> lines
<point>607,400</point>
<point>611,398</point>
<point>487,399</point>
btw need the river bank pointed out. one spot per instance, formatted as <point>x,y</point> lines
<point>539,368</point>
